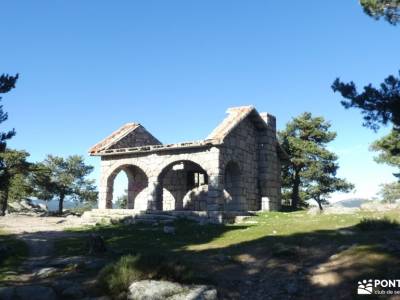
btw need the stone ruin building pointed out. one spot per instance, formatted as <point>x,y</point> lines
<point>235,169</point>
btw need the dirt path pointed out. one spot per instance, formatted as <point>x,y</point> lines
<point>21,224</point>
<point>39,234</point>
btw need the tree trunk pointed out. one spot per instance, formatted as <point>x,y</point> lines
<point>60,204</point>
<point>295,191</point>
<point>3,202</point>
<point>320,205</point>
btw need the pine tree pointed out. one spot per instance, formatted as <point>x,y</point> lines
<point>15,164</point>
<point>63,177</point>
<point>388,9</point>
<point>311,172</point>
<point>7,83</point>
<point>380,106</point>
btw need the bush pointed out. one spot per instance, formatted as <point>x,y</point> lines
<point>116,277</point>
<point>12,252</point>
<point>377,224</point>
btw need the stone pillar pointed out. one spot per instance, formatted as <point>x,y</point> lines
<point>215,193</point>
<point>105,191</point>
<point>131,193</point>
<point>269,170</point>
<point>105,197</point>
<point>154,194</point>
<point>109,197</point>
<point>102,202</point>
<point>215,181</point>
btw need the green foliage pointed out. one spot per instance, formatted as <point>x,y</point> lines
<point>59,177</point>
<point>378,105</point>
<point>269,239</point>
<point>116,277</point>
<point>7,83</point>
<point>15,168</point>
<point>388,9</point>
<point>311,172</point>
<point>390,192</point>
<point>19,188</point>
<point>122,201</point>
<point>388,148</point>
<point>368,224</point>
<point>13,259</point>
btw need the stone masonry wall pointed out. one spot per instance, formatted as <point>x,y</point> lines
<point>153,164</point>
<point>269,166</point>
<point>139,137</point>
<point>174,184</point>
<point>254,150</point>
<point>240,146</point>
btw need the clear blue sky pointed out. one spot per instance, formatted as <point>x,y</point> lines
<point>87,67</point>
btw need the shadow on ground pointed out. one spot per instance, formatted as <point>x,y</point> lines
<point>323,264</point>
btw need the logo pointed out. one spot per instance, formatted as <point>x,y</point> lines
<point>365,287</point>
<point>379,287</point>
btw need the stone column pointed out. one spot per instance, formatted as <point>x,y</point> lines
<point>154,194</point>
<point>269,166</point>
<point>105,191</point>
<point>102,202</point>
<point>132,182</point>
<point>215,193</point>
<point>215,181</point>
<point>131,194</point>
<point>109,197</point>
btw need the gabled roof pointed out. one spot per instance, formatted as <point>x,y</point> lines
<point>235,116</point>
<point>124,140</point>
<point>114,137</point>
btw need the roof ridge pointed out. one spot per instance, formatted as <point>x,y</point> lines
<point>235,116</point>
<point>114,136</point>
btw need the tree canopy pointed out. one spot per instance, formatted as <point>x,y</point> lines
<point>390,192</point>
<point>378,105</point>
<point>388,148</point>
<point>15,164</point>
<point>7,83</point>
<point>387,9</point>
<point>64,177</point>
<point>311,173</point>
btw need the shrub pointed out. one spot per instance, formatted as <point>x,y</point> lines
<point>116,277</point>
<point>377,224</point>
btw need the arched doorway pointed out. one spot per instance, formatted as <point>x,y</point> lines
<point>176,181</point>
<point>137,181</point>
<point>233,186</point>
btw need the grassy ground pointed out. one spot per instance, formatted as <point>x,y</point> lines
<point>267,256</point>
<point>17,252</point>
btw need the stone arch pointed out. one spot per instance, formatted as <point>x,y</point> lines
<point>233,186</point>
<point>175,181</point>
<point>137,182</point>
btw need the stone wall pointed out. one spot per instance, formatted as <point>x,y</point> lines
<point>269,166</point>
<point>155,166</point>
<point>178,181</point>
<point>243,173</point>
<point>240,147</point>
<point>139,137</point>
